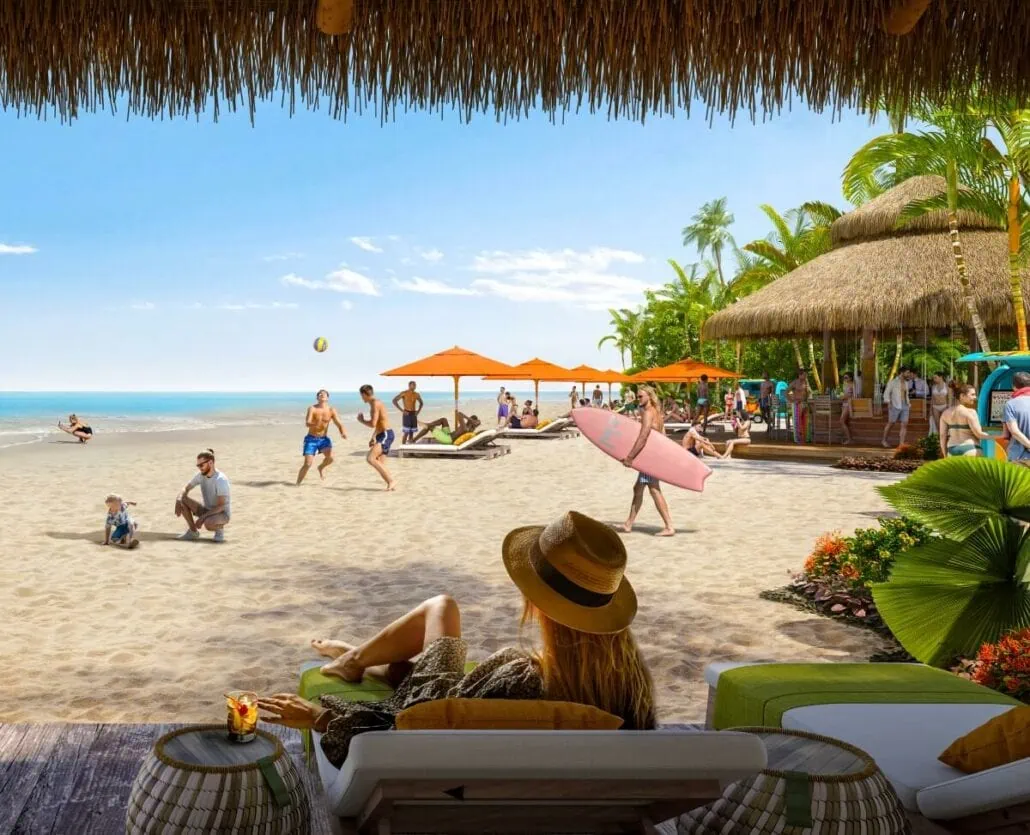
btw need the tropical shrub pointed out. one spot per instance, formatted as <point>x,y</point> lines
<point>877,465</point>
<point>825,559</point>
<point>969,585</point>
<point>908,452</point>
<point>1005,666</point>
<point>931,447</point>
<point>872,551</point>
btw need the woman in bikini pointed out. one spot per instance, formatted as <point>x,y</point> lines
<point>845,406</point>
<point>961,432</point>
<point>743,430</point>
<point>77,428</point>
<point>940,400</point>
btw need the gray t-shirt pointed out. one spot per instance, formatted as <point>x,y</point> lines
<point>211,488</point>
<point>1018,410</point>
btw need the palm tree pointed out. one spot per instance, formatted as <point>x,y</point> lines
<point>626,325</point>
<point>953,151</point>
<point>690,294</point>
<point>709,232</point>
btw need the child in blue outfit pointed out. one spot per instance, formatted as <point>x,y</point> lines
<point>119,527</point>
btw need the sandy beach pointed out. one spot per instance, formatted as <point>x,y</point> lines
<point>158,634</point>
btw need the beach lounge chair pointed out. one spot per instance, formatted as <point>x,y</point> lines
<point>671,428</point>
<point>521,781</point>
<point>478,446</point>
<point>558,429</point>
<point>905,733</point>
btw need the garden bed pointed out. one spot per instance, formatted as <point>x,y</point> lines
<point>877,465</point>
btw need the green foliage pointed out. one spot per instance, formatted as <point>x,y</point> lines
<point>930,446</point>
<point>872,551</point>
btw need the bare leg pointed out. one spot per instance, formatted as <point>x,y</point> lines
<point>308,461</point>
<point>886,432</point>
<point>429,427</point>
<point>901,436</point>
<point>393,674</point>
<point>845,427</point>
<point>402,640</point>
<point>184,510</point>
<point>374,459</point>
<point>635,505</point>
<point>327,461</point>
<point>663,510</point>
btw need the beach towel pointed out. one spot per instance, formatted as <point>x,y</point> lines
<point>759,694</point>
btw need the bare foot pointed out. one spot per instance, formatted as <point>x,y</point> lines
<point>627,527</point>
<point>391,485</point>
<point>345,667</point>
<point>886,445</point>
<point>321,473</point>
<point>666,532</point>
<point>330,649</point>
<point>134,544</point>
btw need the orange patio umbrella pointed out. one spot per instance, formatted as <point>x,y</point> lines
<point>583,374</point>
<point>612,376</point>
<point>536,370</point>
<point>684,371</point>
<point>455,362</point>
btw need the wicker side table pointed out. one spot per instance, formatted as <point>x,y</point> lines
<point>812,783</point>
<point>197,781</point>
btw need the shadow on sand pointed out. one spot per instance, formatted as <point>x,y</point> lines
<point>650,530</point>
<point>98,536</point>
<point>277,483</point>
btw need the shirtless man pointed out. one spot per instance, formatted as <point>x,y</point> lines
<point>650,418</point>
<point>317,440</point>
<point>765,396</point>
<point>382,434</point>
<point>697,444</point>
<point>465,424</point>
<point>412,401</point>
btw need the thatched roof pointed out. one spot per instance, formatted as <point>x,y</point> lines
<point>907,279</point>
<point>173,57</point>
<point>879,217</point>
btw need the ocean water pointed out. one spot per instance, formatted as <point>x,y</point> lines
<point>30,417</point>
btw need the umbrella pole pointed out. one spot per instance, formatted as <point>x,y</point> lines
<point>455,403</point>
<point>609,394</point>
<point>536,395</point>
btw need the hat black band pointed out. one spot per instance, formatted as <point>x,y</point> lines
<point>568,589</point>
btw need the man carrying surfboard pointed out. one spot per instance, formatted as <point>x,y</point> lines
<point>650,418</point>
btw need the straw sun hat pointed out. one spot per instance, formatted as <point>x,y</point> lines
<point>572,571</point>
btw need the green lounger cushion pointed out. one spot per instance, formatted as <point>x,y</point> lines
<point>759,694</point>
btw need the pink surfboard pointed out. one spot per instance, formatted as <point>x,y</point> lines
<point>661,457</point>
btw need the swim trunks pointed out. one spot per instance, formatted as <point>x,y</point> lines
<point>409,423</point>
<point>317,444</point>
<point>502,410</point>
<point>643,478</point>
<point>385,440</point>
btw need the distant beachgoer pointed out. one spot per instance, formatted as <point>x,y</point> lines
<point>650,418</point>
<point>895,395</point>
<point>119,527</point>
<point>799,392</point>
<point>847,395</point>
<point>441,430</point>
<point>703,402</point>
<point>215,511</point>
<point>382,435</point>
<point>727,402</point>
<point>765,399</point>
<point>316,441</point>
<point>697,444</point>
<point>1016,418</point>
<point>532,420</point>
<point>527,408</point>
<point>597,398</point>
<point>918,388</point>
<point>960,430</point>
<point>940,400</point>
<point>77,428</point>
<point>587,652</point>
<point>740,401</point>
<point>502,408</point>
<point>742,428</point>
<point>574,400</point>
<point>412,405</point>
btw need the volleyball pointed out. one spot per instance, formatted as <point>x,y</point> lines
<point>321,344</point>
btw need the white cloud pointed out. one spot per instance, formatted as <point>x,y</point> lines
<point>253,306</point>
<point>598,258</point>
<point>407,261</point>
<point>283,256</point>
<point>347,305</point>
<point>143,306</point>
<point>431,287</point>
<point>17,249</point>
<point>342,280</point>
<point>365,243</point>
<point>431,255</point>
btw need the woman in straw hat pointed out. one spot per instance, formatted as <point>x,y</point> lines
<point>570,574</point>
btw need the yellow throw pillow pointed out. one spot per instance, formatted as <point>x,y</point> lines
<point>1002,740</point>
<point>462,438</point>
<point>543,423</point>
<point>505,714</point>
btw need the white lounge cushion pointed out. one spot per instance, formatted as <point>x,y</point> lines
<point>973,794</point>
<point>904,739</point>
<point>557,755</point>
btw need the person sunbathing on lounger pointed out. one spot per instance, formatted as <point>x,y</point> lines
<point>587,654</point>
<point>466,424</point>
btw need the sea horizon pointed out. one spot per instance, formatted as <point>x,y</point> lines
<point>28,417</point>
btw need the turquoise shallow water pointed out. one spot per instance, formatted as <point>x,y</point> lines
<point>28,417</point>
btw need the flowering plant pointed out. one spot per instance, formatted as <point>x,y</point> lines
<point>1005,665</point>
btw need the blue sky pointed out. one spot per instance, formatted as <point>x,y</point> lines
<point>175,255</point>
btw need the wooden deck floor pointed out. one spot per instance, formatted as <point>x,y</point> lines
<point>71,779</point>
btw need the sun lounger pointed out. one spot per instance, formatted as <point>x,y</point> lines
<point>478,446</point>
<point>531,781</point>
<point>677,427</point>
<point>905,739</point>
<point>556,429</point>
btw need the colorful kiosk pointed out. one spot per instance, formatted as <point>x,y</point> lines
<point>994,394</point>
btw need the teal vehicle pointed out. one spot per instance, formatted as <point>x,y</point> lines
<point>754,389</point>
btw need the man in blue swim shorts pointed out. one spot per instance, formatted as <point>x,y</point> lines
<point>382,435</point>
<point>317,442</point>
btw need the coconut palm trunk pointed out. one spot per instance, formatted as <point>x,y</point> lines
<point>797,354</point>
<point>898,345</point>
<point>1015,277</point>
<point>814,368</point>
<point>740,356</point>
<point>834,368</point>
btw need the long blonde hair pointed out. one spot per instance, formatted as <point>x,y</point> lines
<point>605,671</point>
<point>652,397</point>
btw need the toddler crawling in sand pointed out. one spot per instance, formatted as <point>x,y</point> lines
<point>124,526</point>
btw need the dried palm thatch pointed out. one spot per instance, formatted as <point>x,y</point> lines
<point>879,217</point>
<point>175,57</point>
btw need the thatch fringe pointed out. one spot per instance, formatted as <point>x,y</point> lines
<point>628,59</point>
<point>879,217</point>
<point>906,281</point>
